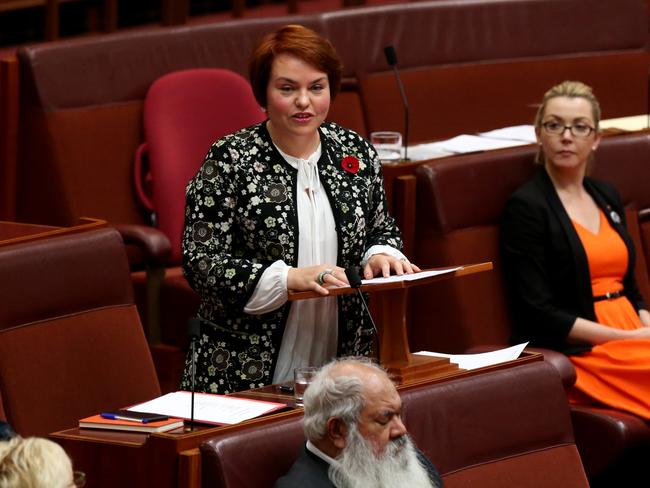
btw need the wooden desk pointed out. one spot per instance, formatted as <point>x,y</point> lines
<point>172,459</point>
<point>15,232</point>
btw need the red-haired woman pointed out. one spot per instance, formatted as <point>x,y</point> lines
<point>285,204</point>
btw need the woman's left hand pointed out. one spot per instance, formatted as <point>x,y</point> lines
<point>382,264</point>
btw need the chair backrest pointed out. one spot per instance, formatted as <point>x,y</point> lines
<point>184,112</point>
<point>497,429</point>
<point>459,204</point>
<point>252,458</point>
<point>71,342</point>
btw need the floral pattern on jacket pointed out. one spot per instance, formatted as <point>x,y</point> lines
<point>241,216</point>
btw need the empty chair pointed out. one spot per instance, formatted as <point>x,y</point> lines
<point>184,112</point>
<point>71,341</point>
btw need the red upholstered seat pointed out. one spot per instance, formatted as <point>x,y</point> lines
<point>71,341</point>
<point>184,112</point>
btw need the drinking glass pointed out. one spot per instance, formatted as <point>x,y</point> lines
<point>388,145</point>
<point>302,377</point>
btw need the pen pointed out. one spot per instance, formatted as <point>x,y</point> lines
<point>112,416</point>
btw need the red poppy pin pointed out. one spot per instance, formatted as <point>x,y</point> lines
<point>350,164</point>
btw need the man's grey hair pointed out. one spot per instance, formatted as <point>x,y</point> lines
<point>334,396</point>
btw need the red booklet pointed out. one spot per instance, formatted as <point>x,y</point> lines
<point>99,422</point>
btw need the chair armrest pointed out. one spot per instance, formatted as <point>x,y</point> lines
<point>604,435</point>
<point>560,362</point>
<point>152,246</point>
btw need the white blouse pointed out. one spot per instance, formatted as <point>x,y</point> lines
<point>310,334</point>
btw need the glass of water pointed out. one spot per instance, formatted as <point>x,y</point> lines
<point>388,145</point>
<point>302,377</point>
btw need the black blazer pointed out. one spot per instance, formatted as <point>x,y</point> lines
<point>545,265</point>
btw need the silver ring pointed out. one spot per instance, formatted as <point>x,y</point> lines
<point>320,279</point>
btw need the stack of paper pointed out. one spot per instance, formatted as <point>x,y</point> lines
<point>473,361</point>
<point>208,408</point>
<point>519,135</point>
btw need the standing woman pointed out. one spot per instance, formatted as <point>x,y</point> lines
<point>286,204</point>
<point>569,260</point>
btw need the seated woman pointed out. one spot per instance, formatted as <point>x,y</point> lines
<point>569,260</point>
<point>286,204</point>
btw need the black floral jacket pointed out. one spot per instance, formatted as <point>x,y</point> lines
<point>241,216</point>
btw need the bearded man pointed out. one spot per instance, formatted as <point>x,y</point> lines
<point>355,434</point>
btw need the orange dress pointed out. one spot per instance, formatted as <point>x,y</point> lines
<point>616,373</point>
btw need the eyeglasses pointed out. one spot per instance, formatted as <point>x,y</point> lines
<point>577,130</point>
<point>78,479</point>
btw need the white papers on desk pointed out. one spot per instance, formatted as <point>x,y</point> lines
<point>632,123</point>
<point>518,135</point>
<point>474,361</point>
<point>467,144</point>
<point>212,409</point>
<point>515,133</point>
<point>424,152</point>
<point>409,277</point>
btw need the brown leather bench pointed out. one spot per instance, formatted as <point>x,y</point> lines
<point>459,204</point>
<point>506,428</point>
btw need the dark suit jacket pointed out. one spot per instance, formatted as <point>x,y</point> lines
<point>311,471</point>
<point>546,268</point>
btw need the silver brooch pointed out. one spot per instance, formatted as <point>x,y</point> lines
<point>615,217</point>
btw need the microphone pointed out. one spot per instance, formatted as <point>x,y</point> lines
<point>193,330</point>
<point>391,59</point>
<point>648,100</point>
<point>355,282</point>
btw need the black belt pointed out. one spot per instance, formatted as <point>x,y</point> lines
<point>610,295</point>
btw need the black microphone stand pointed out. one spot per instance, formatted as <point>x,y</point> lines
<point>391,59</point>
<point>194,330</point>
<point>355,282</point>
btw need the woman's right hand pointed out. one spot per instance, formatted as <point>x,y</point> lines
<point>306,278</point>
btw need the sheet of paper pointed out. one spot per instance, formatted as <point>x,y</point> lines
<point>473,361</point>
<point>214,409</point>
<point>632,123</point>
<point>466,144</point>
<point>514,133</point>
<point>410,277</point>
<point>424,152</point>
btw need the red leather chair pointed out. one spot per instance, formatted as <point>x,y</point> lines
<point>71,341</point>
<point>184,112</point>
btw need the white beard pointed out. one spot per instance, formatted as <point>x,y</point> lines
<point>397,467</point>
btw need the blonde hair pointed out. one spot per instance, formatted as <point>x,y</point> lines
<point>569,89</point>
<point>34,462</point>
